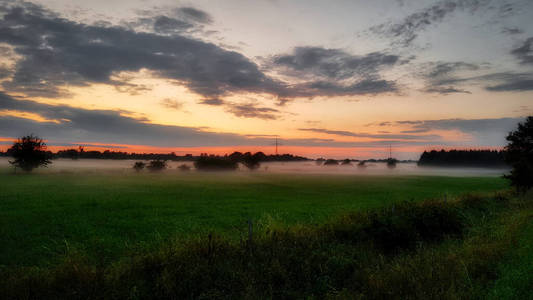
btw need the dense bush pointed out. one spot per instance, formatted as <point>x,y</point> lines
<point>29,153</point>
<point>157,165</point>
<point>519,154</point>
<point>466,158</point>
<point>331,162</point>
<point>138,166</point>
<point>215,163</point>
<point>184,167</point>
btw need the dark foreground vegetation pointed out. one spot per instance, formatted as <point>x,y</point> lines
<point>467,248</point>
<point>463,158</point>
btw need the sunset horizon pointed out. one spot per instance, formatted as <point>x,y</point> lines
<point>170,76</point>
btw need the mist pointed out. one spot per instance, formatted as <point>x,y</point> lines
<point>306,167</point>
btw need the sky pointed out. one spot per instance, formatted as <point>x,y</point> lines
<point>340,79</point>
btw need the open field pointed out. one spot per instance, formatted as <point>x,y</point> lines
<point>106,215</point>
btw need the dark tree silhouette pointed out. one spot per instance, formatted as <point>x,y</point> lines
<point>157,165</point>
<point>519,154</point>
<point>346,162</point>
<point>29,153</point>
<point>138,166</point>
<point>215,163</point>
<point>252,162</point>
<point>184,168</point>
<point>331,162</point>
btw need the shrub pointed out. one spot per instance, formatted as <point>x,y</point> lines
<point>157,165</point>
<point>138,166</point>
<point>214,163</point>
<point>331,162</point>
<point>29,153</point>
<point>184,167</point>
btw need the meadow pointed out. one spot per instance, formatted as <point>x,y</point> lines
<point>107,214</point>
<point>117,234</point>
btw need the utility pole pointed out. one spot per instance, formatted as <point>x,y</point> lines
<point>276,145</point>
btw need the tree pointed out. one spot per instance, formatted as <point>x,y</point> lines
<point>138,166</point>
<point>519,154</point>
<point>252,162</point>
<point>157,165</point>
<point>29,153</point>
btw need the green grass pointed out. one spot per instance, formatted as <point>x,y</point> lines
<point>106,216</point>
<point>463,248</point>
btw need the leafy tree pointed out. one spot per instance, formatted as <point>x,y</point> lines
<point>184,168</point>
<point>519,154</point>
<point>138,166</point>
<point>157,165</point>
<point>331,162</point>
<point>215,163</point>
<point>252,162</point>
<point>29,153</point>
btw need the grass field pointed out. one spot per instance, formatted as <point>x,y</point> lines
<point>44,216</point>
<point>184,236</point>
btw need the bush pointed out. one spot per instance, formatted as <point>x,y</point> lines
<point>138,166</point>
<point>157,165</point>
<point>184,167</point>
<point>214,163</point>
<point>29,153</point>
<point>331,162</point>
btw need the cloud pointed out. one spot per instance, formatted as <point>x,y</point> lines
<point>484,132</point>
<point>164,24</point>
<point>406,30</point>
<point>57,52</point>
<point>195,14</point>
<point>440,76</point>
<point>212,101</point>
<point>371,135</point>
<point>171,104</point>
<point>524,53</point>
<point>332,63</point>
<point>513,86</point>
<point>334,72</point>
<point>250,110</point>
<point>512,30</point>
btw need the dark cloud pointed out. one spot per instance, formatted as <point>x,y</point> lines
<point>445,90</point>
<point>212,101</point>
<point>497,82</point>
<point>334,72</point>
<point>406,30</point>
<point>484,132</point>
<point>250,110</point>
<point>364,87</point>
<point>57,52</point>
<point>524,52</point>
<point>440,76</point>
<point>166,25</point>
<point>195,14</point>
<point>333,63</point>
<point>371,135</point>
<point>512,30</point>
<point>171,104</point>
<point>513,86</point>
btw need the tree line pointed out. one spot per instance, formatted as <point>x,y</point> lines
<point>464,158</point>
<point>81,153</point>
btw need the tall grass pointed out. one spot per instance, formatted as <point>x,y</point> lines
<point>431,249</point>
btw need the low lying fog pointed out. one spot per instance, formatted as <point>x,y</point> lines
<point>311,167</point>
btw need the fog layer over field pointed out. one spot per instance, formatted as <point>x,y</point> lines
<point>311,167</point>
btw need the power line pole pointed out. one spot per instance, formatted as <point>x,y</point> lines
<point>276,145</point>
